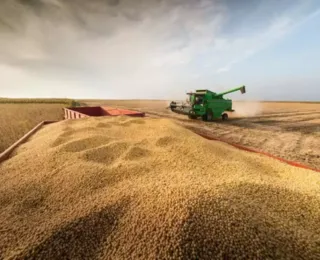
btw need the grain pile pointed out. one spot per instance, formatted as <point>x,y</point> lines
<point>126,188</point>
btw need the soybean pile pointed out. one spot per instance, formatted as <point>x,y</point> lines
<point>143,188</point>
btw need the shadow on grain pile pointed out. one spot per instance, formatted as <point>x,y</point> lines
<point>120,188</point>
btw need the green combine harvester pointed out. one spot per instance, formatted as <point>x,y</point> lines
<point>206,104</point>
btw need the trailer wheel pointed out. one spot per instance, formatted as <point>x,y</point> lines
<point>225,116</point>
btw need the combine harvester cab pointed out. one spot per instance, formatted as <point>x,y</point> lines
<point>206,104</point>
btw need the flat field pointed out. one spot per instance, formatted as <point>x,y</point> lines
<point>17,119</point>
<point>290,130</point>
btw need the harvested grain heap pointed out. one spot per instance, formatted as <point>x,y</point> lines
<point>120,188</point>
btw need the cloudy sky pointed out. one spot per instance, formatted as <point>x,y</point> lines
<point>159,49</point>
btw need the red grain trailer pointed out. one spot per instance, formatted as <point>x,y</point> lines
<point>80,112</point>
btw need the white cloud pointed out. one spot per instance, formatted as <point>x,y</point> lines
<point>124,49</point>
<point>223,69</point>
<point>240,49</point>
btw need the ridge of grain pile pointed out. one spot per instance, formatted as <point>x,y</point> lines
<point>126,188</point>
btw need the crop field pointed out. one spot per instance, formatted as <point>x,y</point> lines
<point>17,119</point>
<point>290,130</point>
<point>35,101</point>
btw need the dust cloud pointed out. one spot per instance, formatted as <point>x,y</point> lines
<point>247,108</point>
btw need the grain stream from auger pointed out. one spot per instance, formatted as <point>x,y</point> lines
<point>145,188</point>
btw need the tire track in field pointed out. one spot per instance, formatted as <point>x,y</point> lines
<point>287,115</point>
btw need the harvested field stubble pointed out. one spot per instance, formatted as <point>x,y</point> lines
<point>121,188</point>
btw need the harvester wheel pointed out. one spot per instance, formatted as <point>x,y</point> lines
<point>225,116</point>
<point>192,117</point>
<point>204,117</point>
<point>208,116</point>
